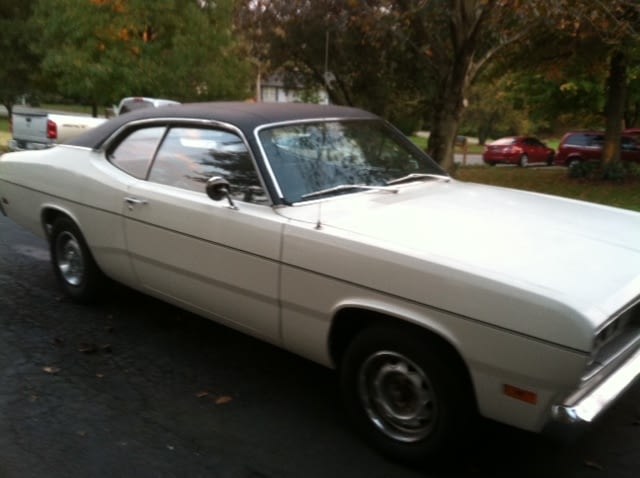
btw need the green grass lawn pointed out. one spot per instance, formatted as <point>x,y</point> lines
<point>5,135</point>
<point>624,194</point>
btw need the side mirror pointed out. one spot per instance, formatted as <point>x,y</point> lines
<point>218,188</point>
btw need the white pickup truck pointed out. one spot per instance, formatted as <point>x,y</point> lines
<point>131,103</point>
<point>34,128</point>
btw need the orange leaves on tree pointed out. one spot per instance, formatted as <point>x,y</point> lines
<point>279,31</point>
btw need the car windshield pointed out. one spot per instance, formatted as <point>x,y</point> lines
<point>329,158</point>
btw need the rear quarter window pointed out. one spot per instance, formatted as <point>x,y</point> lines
<point>134,154</point>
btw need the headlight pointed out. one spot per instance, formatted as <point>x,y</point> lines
<point>616,337</point>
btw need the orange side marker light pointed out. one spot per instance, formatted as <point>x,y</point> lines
<point>520,394</point>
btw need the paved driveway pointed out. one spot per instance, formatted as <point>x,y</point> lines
<point>136,388</point>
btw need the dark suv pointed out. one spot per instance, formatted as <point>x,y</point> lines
<point>578,146</point>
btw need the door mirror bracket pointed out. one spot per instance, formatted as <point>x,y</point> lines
<point>218,188</point>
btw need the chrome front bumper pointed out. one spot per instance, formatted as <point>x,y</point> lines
<point>586,404</point>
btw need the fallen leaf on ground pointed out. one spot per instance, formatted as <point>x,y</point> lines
<point>51,370</point>
<point>202,394</point>
<point>593,464</point>
<point>87,348</point>
<point>223,400</point>
<point>57,341</point>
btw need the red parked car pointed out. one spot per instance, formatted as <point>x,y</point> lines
<point>578,146</point>
<point>520,150</point>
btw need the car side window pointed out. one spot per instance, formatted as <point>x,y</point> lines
<point>189,156</point>
<point>134,154</point>
<point>597,141</point>
<point>628,144</point>
<point>536,143</point>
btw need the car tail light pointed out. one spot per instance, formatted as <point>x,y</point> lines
<point>52,129</point>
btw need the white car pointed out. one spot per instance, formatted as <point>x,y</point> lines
<point>325,231</point>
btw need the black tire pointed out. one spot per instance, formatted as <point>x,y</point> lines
<point>574,163</point>
<point>73,264</point>
<point>524,161</point>
<point>407,393</point>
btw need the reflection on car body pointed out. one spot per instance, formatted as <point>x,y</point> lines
<point>325,231</point>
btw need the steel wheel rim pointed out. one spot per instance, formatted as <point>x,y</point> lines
<point>398,396</point>
<point>70,260</point>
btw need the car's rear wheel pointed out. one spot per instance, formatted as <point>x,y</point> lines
<point>573,163</point>
<point>524,161</point>
<point>73,263</point>
<point>406,392</point>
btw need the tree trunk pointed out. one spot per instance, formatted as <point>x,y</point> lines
<point>446,116</point>
<point>468,19</point>
<point>442,138</point>
<point>9,106</point>
<point>616,98</point>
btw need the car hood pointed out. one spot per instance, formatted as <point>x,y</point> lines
<point>511,258</point>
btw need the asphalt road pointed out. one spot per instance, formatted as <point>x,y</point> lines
<point>135,388</point>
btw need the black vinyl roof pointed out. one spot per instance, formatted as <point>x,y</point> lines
<point>244,115</point>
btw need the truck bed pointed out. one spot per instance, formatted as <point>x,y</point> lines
<point>35,128</point>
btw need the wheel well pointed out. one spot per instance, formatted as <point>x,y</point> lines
<point>351,321</point>
<point>49,216</point>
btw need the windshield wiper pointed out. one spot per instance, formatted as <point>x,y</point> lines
<point>417,177</point>
<point>346,187</point>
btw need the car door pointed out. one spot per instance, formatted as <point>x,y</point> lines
<point>535,150</point>
<point>629,149</point>
<point>212,258</point>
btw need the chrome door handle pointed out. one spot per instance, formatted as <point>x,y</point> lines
<point>131,201</point>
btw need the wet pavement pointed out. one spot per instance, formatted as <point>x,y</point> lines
<point>133,387</point>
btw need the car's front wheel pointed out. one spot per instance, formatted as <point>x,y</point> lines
<point>406,392</point>
<point>73,263</point>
